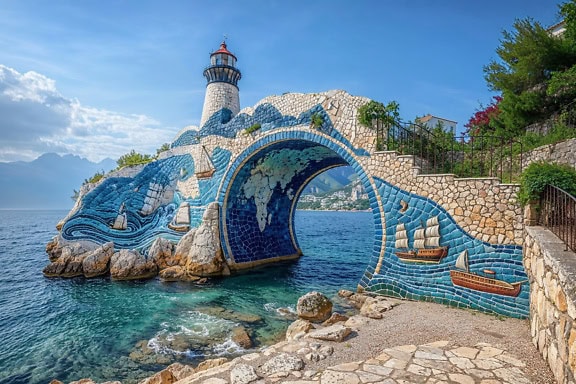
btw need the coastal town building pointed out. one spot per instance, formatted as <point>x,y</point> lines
<point>432,121</point>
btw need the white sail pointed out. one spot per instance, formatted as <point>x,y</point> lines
<point>432,232</point>
<point>462,261</point>
<point>183,214</point>
<point>419,238</point>
<point>401,236</point>
<point>204,164</point>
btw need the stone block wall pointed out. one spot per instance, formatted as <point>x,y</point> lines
<point>218,96</point>
<point>552,273</point>
<point>559,153</point>
<point>483,207</point>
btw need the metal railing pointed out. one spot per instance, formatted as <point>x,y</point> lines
<point>437,151</point>
<point>558,214</point>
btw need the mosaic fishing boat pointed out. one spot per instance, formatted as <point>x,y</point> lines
<point>426,247</point>
<point>462,277</point>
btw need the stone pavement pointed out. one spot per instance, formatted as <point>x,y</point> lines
<point>439,362</point>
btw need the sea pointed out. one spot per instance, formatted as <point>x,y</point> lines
<point>68,329</point>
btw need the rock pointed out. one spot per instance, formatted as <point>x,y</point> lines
<point>336,332</point>
<point>184,245</point>
<point>345,293</point>
<point>314,306</point>
<point>54,249</point>
<point>180,371</point>
<point>163,377</point>
<point>374,307</point>
<point>229,314</point>
<point>357,299</point>
<point>205,257</point>
<point>241,337</point>
<point>298,329</point>
<point>210,363</point>
<point>243,374</point>
<point>69,264</point>
<point>176,273</point>
<point>161,252</point>
<point>83,381</point>
<point>96,262</point>
<point>335,318</point>
<point>54,381</point>
<point>130,265</point>
<point>283,363</point>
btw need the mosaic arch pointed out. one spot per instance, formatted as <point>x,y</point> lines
<point>473,226</point>
<point>260,191</point>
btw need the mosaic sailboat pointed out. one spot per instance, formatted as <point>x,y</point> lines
<point>462,277</point>
<point>204,169</point>
<point>121,221</point>
<point>426,247</point>
<point>181,220</point>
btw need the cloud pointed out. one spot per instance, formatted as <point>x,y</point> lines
<point>35,118</point>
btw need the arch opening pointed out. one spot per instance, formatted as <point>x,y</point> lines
<point>260,199</point>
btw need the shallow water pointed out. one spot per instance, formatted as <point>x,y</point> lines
<point>74,328</point>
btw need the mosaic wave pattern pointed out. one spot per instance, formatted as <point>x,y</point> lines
<point>155,183</point>
<point>432,281</point>
<point>220,124</point>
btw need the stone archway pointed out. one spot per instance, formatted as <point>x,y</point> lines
<point>260,190</point>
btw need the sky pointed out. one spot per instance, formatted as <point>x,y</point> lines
<point>98,78</point>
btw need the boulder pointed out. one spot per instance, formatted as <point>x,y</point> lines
<point>180,371</point>
<point>336,332</point>
<point>345,293</point>
<point>165,376</point>
<point>129,264</point>
<point>241,337</point>
<point>54,248</point>
<point>374,307</point>
<point>243,374</point>
<point>211,363</point>
<point>205,257</point>
<point>357,299</point>
<point>283,362</point>
<point>162,253</point>
<point>69,264</point>
<point>176,273</point>
<point>96,261</point>
<point>314,306</point>
<point>184,245</point>
<point>335,318</point>
<point>298,329</point>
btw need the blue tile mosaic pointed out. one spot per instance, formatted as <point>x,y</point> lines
<point>429,281</point>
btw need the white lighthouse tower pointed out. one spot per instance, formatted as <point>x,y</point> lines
<point>222,88</point>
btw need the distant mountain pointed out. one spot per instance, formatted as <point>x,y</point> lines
<point>331,180</point>
<point>47,182</point>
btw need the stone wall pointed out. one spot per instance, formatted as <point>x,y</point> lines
<point>483,207</point>
<point>559,153</point>
<point>552,273</point>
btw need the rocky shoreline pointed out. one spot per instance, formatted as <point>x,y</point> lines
<point>197,255</point>
<point>385,341</point>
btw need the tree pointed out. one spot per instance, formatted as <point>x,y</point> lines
<point>133,158</point>
<point>483,119</point>
<point>388,113</point>
<point>165,147</point>
<point>528,58</point>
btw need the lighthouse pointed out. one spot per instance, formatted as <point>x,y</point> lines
<point>222,87</point>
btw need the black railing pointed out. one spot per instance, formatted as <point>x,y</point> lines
<point>558,214</point>
<point>437,151</point>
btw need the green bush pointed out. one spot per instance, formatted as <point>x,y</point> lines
<point>537,175</point>
<point>253,128</point>
<point>133,158</point>
<point>95,178</point>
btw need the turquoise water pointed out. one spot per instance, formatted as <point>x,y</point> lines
<point>74,328</point>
